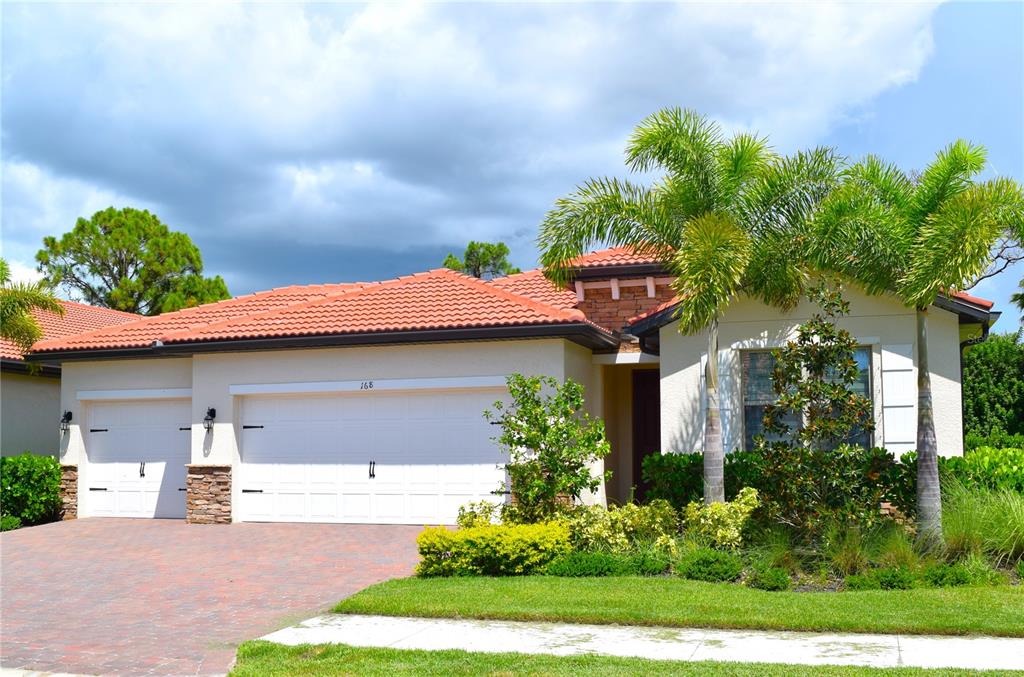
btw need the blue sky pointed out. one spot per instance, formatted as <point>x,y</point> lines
<point>300,144</point>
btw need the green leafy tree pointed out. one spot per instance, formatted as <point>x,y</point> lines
<point>727,218</point>
<point>128,260</point>
<point>813,379</point>
<point>918,237</point>
<point>482,259</point>
<point>551,442</point>
<point>17,301</point>
<point>993,386</point>
<point>1018,298</point>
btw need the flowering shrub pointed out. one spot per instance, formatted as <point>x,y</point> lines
<point>623,528</point>
<point>721,524</point>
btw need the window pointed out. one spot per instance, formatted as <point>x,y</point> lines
<point>757,368</point>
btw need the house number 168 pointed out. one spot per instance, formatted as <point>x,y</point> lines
<point>366,385</point>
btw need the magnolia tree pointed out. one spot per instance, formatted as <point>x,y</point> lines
<point>551,442</point>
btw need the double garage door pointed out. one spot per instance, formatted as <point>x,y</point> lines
<point>398,457</point>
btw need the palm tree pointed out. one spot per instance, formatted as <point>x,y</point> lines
<point>725,218</point>
<point>1017,298</point>
<point>918,237</point>
<point>17,301</point>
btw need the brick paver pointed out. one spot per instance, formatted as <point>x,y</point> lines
<point>101,596</point>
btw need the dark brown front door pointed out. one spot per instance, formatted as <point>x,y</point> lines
<point>646,423</point>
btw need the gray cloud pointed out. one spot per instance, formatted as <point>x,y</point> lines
<point>295,143</point>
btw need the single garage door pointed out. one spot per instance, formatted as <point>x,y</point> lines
<point>409,457</point>
<point>137,455</point>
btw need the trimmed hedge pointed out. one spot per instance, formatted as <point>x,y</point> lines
<point>29,488</point>
<point>493,550</point>
<point>577,564</point>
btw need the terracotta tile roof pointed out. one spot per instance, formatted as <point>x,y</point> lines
<point>77,318</point>
<point>438,299</point>
<point>532,283</point>
<point>616,256</point>
<point>974,300</point>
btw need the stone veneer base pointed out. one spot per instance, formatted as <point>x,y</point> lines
<point>208,494</point>
<point>68,492</point>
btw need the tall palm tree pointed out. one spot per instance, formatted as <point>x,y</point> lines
<point>1017,298</point>
<point>17,301</point>
<point>726,218</point>
<point>918,237</point>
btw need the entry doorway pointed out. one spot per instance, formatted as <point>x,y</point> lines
<point>646,415</point>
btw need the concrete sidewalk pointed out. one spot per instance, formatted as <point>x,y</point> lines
<point>680,644</point>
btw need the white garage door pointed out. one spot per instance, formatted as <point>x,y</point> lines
<point>385,457</point>
<point>137,456</point>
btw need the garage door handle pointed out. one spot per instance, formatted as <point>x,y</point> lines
<point>188,427</point>
<point>373,469</point>
<point>252,491</point>
<point>142,469</point>
<point>182,489</point>
<point>97,488</point>
<point>250,427</point>
<point>98,430</point>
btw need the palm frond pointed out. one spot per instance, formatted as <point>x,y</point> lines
<point>784,195</point>
<point>741,160</point>
<point>776,273</point>
<point>601,212</point>
<point>22,330</point>
<point>954,243</point>
<point>889,184</point>
<point>683,143</point>
<point>950,174</point>
<point>708,268</point>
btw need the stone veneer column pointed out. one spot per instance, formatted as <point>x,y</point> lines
<point>68,492</point>
<point>208,494</point>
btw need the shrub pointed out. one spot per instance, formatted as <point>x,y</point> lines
<point>861,582</point>
<point>708,564</point>
<point>551,443</point>
<point>493,550</point>
<point>9,523</point>
<point>30,487</point>
<point>993,385</point>
<point>845,549</point>
<point>996,439</point>
<point>981,468</point>
<point>893,547</point>
<point>983,522</point>
<point>774,548</point>
<point>770,578</point>
<point>894,578</point>
<point>645,563</point>
<point>721,524</point>
<point>943,575</point>
<point>625,528</point>
<point>981,571</point>
<point>1020,570</point>
<point>478,514</point>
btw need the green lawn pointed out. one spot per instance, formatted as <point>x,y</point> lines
<point>682,603</point>
<point>265,658</point>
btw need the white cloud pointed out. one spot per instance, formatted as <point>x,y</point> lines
<point>403,125</point>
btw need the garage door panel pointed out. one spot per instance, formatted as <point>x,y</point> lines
<point>137,453</point>
<point>424,446</point>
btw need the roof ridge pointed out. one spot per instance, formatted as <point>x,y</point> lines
<point>469,280</point>
<point>100,308</point>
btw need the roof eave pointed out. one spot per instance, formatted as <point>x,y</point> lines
<point>626,270</point>
<point>583,333</point>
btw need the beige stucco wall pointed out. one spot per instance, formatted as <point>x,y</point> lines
<point>879,322</point>
<point>579,366</point>
<point>29,414</point>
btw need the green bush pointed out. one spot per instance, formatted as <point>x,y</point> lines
<point>770,578</point>
<point>997,439</point>
<point>981,468</point>
<point>845,549</point>
<point>861,582</point>
<point>945,575</point>
<point>576,563</point>
<point>30,488</point>
<point>721,524</point>
<point>679,478</point>
<point>1020,570</point>
<point>493,550</point>
<point>987,522</point>
<point>478,514</point>
<point>624,528</point>
<point>708,564</point>
<point>9,523</point>
<point>894,578</point>
<point>993,385</point>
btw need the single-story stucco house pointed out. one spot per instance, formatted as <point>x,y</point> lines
<point>363,402</point>
<point>30,398</point>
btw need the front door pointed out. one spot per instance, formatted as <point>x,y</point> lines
<point>646,423</point>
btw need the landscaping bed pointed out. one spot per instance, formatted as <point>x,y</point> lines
<point>997,611</point>
<point>266,658</point>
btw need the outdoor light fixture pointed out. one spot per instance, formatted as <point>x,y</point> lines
<point>211,414</point>
<point>65,422</point>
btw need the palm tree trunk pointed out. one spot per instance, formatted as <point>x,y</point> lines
<point>929,497</point>
<point>714,449</point>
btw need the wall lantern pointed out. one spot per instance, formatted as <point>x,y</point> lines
<point>65,422</point>
<point>211,414</point>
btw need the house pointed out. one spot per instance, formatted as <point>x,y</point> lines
<point>363,402</point>
<point>30,398</point>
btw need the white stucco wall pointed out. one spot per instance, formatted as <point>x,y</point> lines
<point>29,414</point>
<point>885,325</point>
<point>580,367</point>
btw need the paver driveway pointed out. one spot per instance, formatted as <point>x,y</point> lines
<point>164,597</point>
